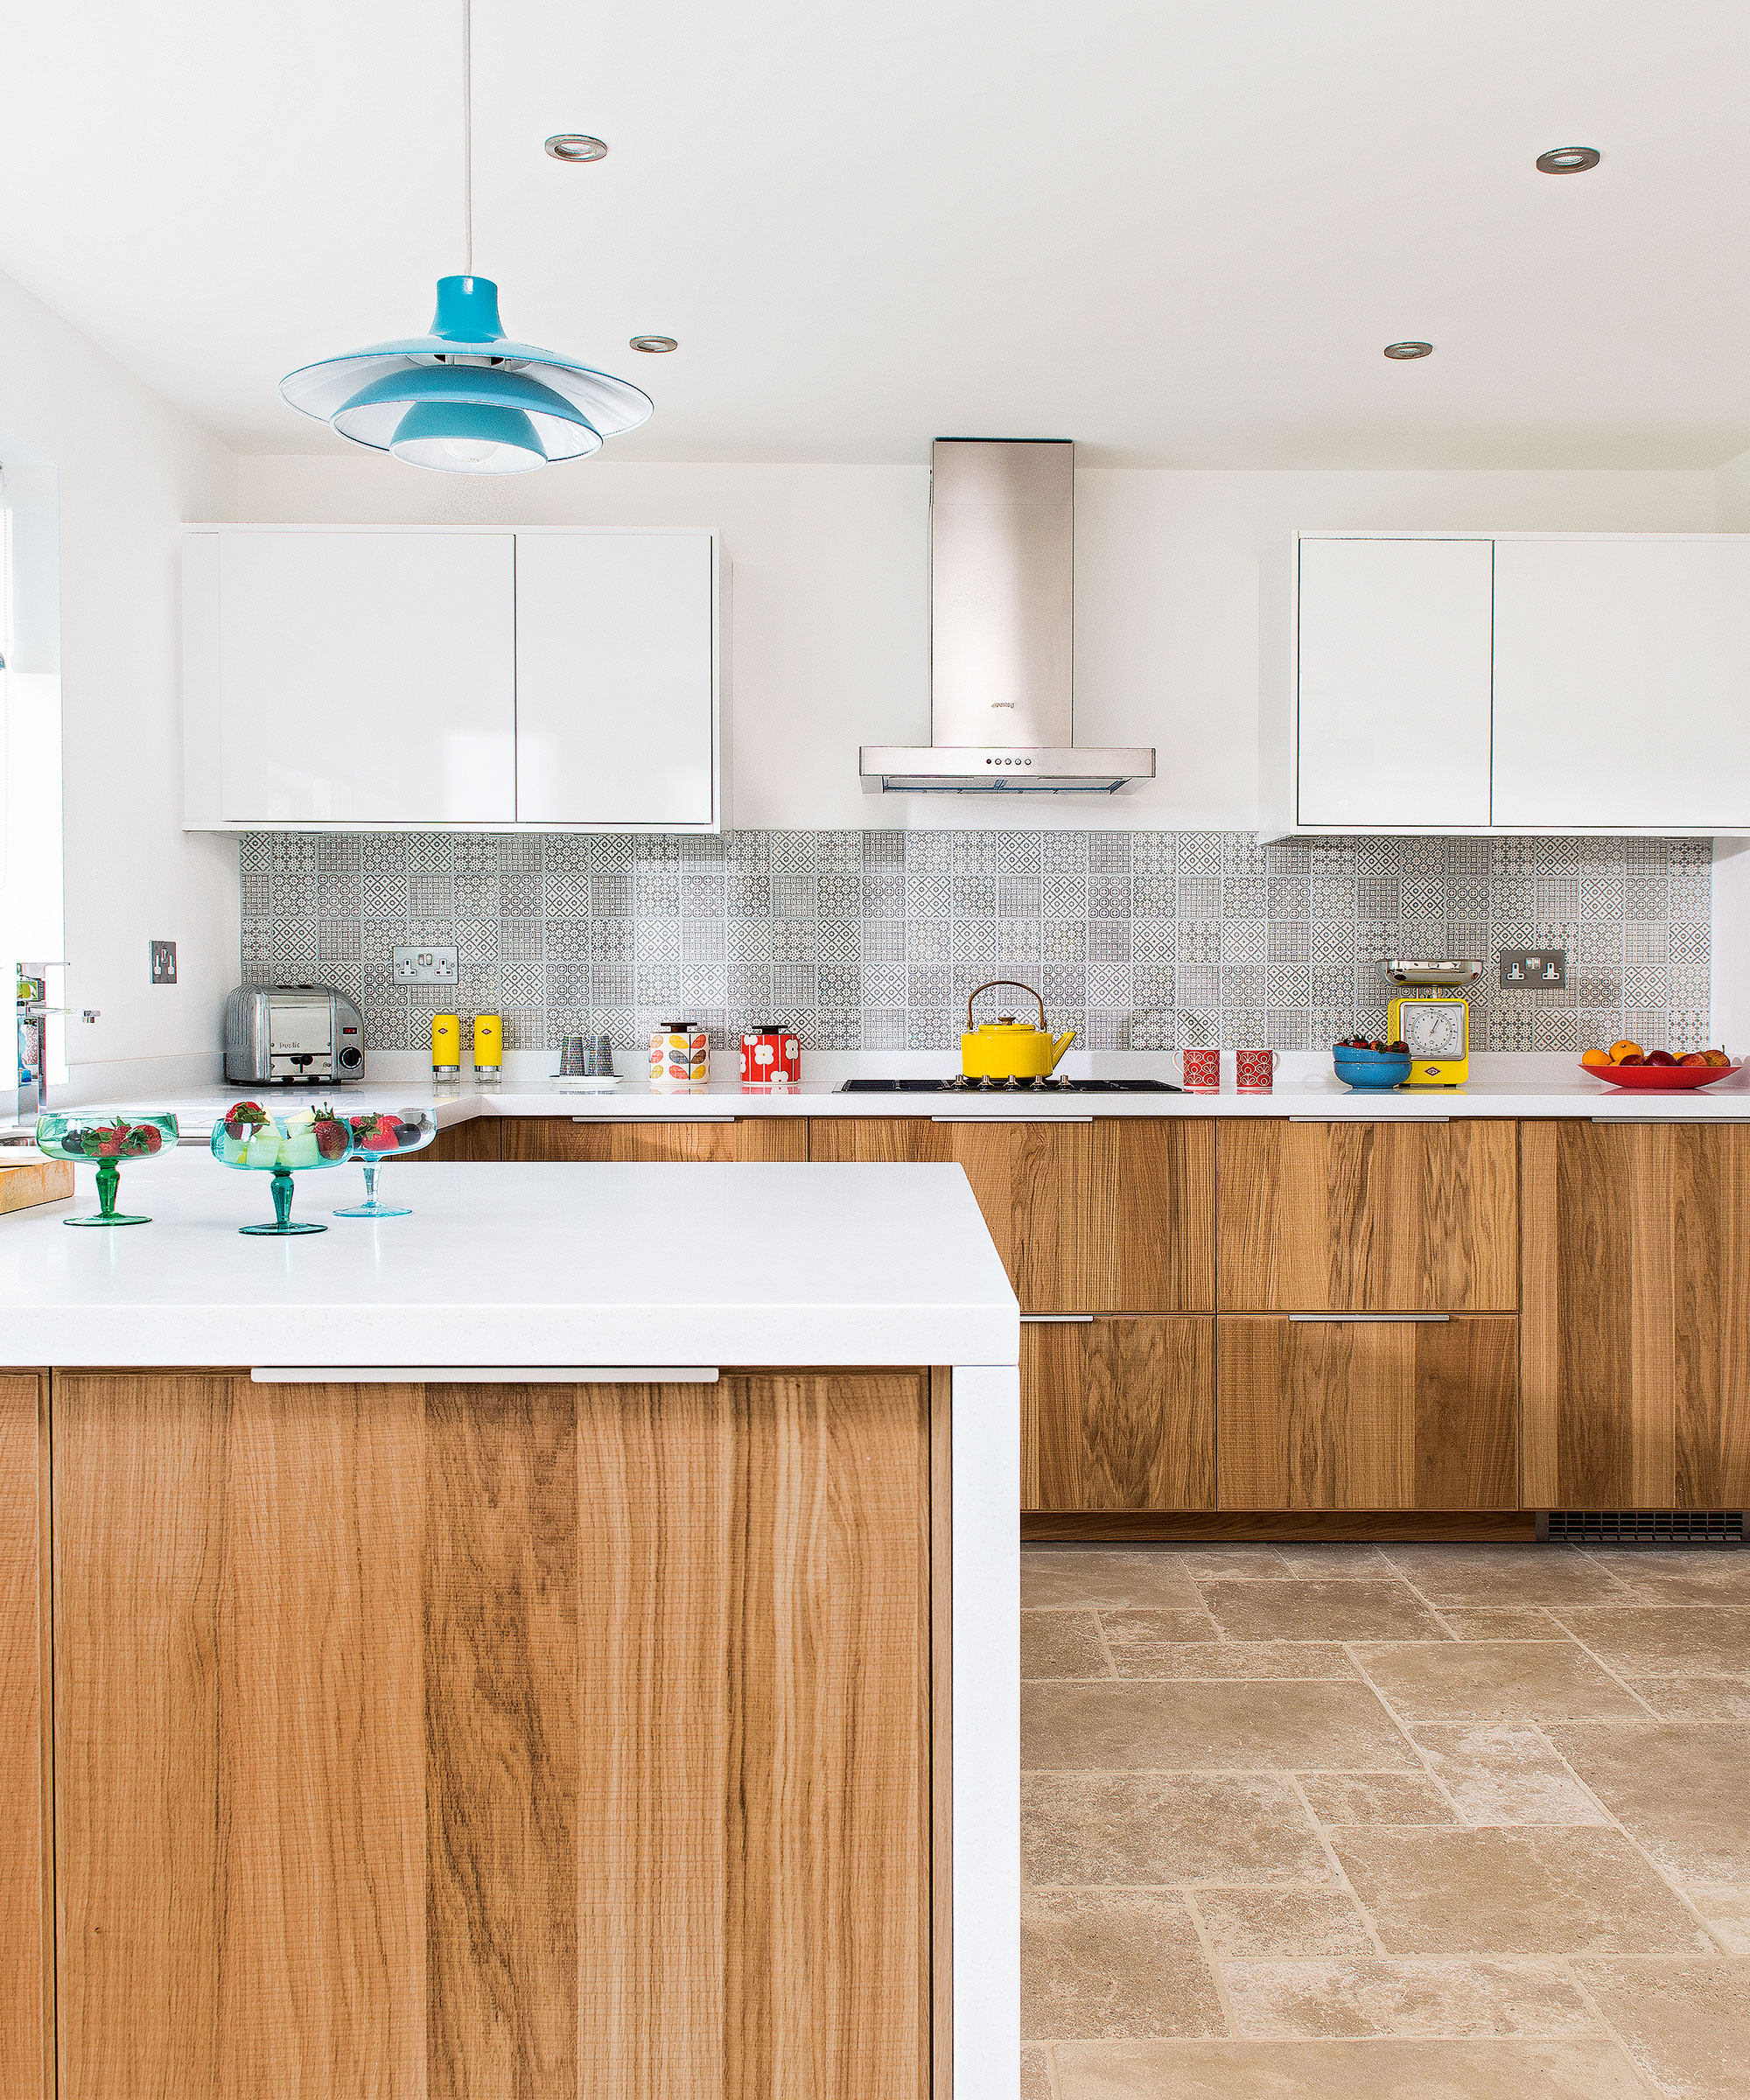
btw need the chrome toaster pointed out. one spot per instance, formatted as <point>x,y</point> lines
<point>292,1033</point>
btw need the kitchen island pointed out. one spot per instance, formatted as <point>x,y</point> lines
<point>561,1641</point>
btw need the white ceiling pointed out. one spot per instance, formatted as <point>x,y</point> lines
<point>1179,231</point>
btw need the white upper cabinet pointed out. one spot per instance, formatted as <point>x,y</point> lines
<point>1394,699</point>
<point>359,676</point>
<point>615,692</point>
<point>367,678</point>
<point>1506,682</point>
<point>1622,682</point>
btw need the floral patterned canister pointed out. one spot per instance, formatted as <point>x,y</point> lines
<point>680,1057</point>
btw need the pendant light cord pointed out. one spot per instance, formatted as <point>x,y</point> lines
<point>467,138</point>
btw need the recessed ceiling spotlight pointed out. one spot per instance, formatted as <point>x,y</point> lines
<point>658,345</point>
<point>1403,352</point>
<point>1568,160</point>
<point>576,145</point>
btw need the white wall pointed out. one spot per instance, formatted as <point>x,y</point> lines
<point>130,471</point>
<point>830,628</point>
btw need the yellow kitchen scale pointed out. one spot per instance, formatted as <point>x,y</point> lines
<point>1434,1020</point>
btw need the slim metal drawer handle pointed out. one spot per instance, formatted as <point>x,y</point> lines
<point>1371,1320</point>
<point>1417,1119</point>
<point>1006,1121</point>
<point>483,1374</point>
<point>1055,1319</point>
<point>646,1122</point>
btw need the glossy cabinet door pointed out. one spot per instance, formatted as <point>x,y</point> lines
<point>1368,1414</point>
<point>1114,1215</point>
<point>616,691</point>
<point>366,677</point>
<point>1620,670</point>
<point>565,1740</point>
<point>1393,694</point>
<point>563,1137</point>
<point>1118,1413</point>
<point>1637,1324</point>
<point>1368,1217</point>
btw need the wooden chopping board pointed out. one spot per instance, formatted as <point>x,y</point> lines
<point>26,1178</point>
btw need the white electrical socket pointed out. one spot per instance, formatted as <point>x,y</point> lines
<point>426,966</point>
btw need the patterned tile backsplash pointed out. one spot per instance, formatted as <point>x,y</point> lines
<point>873,939</point>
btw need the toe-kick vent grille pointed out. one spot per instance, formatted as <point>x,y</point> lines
<point>1648,1527</point>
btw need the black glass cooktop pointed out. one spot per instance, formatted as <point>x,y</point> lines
<point>1008,1086</point>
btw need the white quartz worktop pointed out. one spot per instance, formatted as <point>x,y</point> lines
<point>508,1265</point>
<point>1501,1086</point>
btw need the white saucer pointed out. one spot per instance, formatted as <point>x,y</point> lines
<point>580,1082</point>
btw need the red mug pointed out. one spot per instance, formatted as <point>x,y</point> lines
<point>1254,1070</point>
<point>1201,1070</point>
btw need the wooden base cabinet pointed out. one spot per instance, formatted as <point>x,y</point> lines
<point>1118,1414</point>
<point>1382,1414</point>
<point>563,1137</point>
<point>507,1740</point>
<point>1636,1340</point>
<point>26,1994</point>
<point>1115,1214</point>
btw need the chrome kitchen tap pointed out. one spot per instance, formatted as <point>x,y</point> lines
<point>34,1009</point>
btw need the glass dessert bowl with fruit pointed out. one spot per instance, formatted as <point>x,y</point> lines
<point>377,1138</point>
<point>105,1139</point>
<point>249,1139</point>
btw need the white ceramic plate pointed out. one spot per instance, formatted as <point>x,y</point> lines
<point>575,1082</point>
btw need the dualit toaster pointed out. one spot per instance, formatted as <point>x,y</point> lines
<point>292,1032</point>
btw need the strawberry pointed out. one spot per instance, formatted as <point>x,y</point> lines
<point>150,1137</point>
<point>243,1117</point>
<point>331,1137</point>
<point>110,1140</point>
<point>379,1140</point>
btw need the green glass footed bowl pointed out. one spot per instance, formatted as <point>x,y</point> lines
<point>249,1139</point>
<point>376,1140</point>
<point>106,1139</point>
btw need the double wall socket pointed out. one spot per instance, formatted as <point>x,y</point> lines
<point>426,966</point>
<point>163,962</point>
<point>1534,969</point>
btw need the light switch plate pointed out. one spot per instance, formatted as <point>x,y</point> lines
<point>1534,969</point>
<point>426,966</point>
<point>163,962</point>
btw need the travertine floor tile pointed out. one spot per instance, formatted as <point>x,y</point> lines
<point>1512,1892</point>
<point>1239,1660</point>
<point>1106,1577</point>
<point>1694,1576</point>
<point>1245,1922</point>
<point>1375,1797</point>
<point>1500,1774</point>
<point>1347,2070</point>
<point>1113,1962</point>
<point>1666,1641</point>
<point>1233,1727</point>
<point>1681,1789</point>
<point>1505,1574</point>
<point>1727,1913</point>
<point>1694,1698</point>
<point>1245,1561</point>
<point>1345,1609</point>
<point>1495,1681</point>
<point>1035,2076</point>
<point>1340,1557</point>
<point>1150,1828</point>
<point>1503,1622</point>
<point>1686,2024</point>
<point>1332,1998</point>
<point>1128,1627</point>
<point>1061,1644</point>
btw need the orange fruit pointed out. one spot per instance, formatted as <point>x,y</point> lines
<point>1625,1049</point>
<point>1594,1057</point>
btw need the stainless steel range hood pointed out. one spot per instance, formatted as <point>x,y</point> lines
<point>1001,599</point>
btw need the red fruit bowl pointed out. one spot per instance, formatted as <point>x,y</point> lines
<point>1660,1079</point>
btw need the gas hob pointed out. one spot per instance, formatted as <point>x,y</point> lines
<point>1048,1088</point>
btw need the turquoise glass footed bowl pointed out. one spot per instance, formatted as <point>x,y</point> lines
<point>107,1139</point>
<point>251,1140</point>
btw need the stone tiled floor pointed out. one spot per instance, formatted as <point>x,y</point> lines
<point>1385,1823</point>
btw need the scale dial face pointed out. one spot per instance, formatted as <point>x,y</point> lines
<point>1435,1029</point>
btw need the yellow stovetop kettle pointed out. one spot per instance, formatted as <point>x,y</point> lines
<point>1006,1048</point>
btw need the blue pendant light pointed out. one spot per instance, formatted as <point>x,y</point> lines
<point>463,399</point>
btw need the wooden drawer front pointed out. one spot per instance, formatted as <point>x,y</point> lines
<point>1635,1348</point>
<point>1368,1414</point>
<point>478,1138</point>
<point>558,1137</point>
<point>1368,1217</point>
<point>1118,1414</point>
<point>1113,1216</point>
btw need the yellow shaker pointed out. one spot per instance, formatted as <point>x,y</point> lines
<point>446,1046</point>
<point>488,1046</point>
